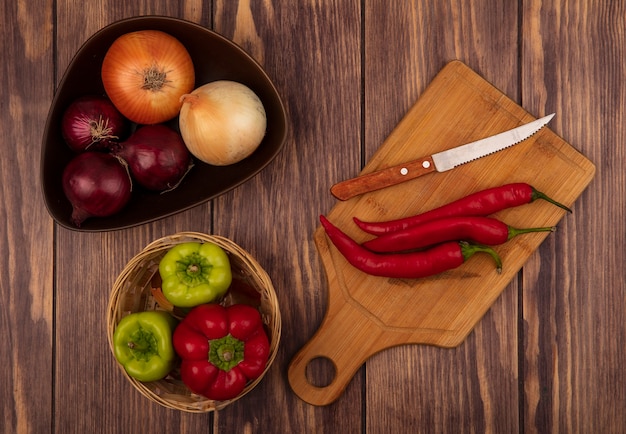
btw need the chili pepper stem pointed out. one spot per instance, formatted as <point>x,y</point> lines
<point>513,232</point>
<point>470,249</point>
<point>539,195</point>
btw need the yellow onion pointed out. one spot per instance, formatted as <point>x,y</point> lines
<point>222,122</point>
<point>144,73</point>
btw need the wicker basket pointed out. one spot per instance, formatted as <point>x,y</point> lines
<point>133,292</point>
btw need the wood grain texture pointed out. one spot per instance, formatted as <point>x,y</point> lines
<point>472,388</point>
<point>573,304</point>
<point>26,233</point>
<point>547,357</point>
<point>439,310</point>
<point>317,71</point>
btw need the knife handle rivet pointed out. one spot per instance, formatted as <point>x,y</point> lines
<point>426,164</point>
<point>404,171</point>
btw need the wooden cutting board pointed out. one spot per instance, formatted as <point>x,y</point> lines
<point>368,314</point>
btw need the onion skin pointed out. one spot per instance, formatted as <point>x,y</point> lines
<point>156,156</point>
<point>222,122</point>
<point>145,73</point>
<point>91,122</point>
<point>96,184</point>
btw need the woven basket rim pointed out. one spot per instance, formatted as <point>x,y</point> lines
<point>159,391</point>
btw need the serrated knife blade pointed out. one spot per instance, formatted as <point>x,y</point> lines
<point>440,162</point>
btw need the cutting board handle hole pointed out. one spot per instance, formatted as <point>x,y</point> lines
<point>320,371</point>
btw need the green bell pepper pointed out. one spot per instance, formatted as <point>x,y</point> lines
<point>142,344</point>
<point>195,273</point>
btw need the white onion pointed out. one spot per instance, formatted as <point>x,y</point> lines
<point>222,122</point>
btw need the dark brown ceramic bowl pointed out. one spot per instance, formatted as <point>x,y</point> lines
<point>215,58</point>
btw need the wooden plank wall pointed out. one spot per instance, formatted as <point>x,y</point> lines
<point>547,357</point>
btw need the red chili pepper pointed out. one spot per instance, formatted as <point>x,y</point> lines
<point>482,203</point>
<point>411,265</point>
<point>482,230</point>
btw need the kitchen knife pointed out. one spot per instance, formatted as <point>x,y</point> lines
<point>440,162</point>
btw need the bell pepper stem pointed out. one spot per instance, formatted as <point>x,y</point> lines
<point>136,346</point>
<point>226,352</point>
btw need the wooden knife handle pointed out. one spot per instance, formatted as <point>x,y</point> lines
<point>349,188</point>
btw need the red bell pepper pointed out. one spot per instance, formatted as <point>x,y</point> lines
<point>221,349</point>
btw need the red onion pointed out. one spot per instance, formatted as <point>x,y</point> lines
<point>156,156</point>
<point>91,122</point>
<point>96,184</point>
